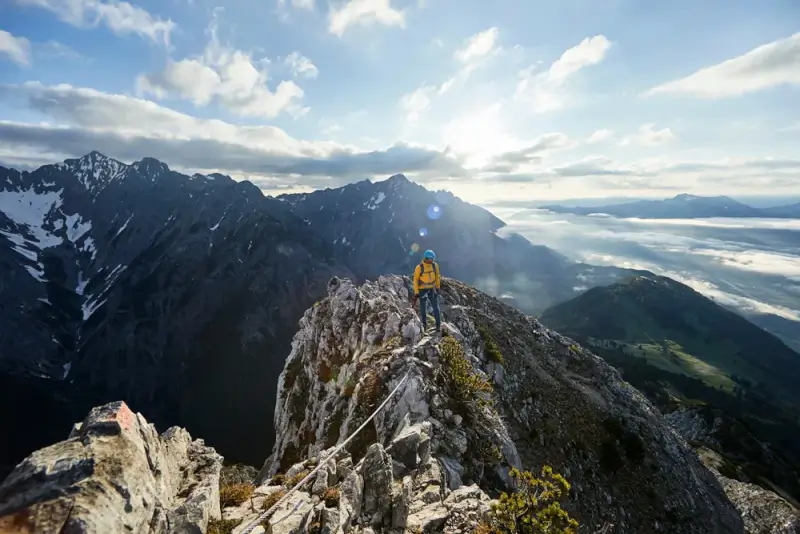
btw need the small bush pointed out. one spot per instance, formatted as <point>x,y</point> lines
<point>534,508</point>
<point>222,526</point>
<point>272,498</point>
<point>277,480</point>
<point>234,494</point>
<point>491,348</point>
<point>331,497</point>
<point>465,384</point>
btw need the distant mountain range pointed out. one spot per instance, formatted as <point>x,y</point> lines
<point>179,294</point>
<point>683,206</point>
<point>684,351</point>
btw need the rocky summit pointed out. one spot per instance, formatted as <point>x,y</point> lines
<point>547,402</point>
<point>493,394</point>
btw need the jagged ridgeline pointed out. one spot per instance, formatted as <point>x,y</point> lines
<point>497,421</point>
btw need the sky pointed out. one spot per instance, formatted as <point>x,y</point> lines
<point>491,100</point>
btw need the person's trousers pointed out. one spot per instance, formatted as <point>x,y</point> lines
<point>425,296</point>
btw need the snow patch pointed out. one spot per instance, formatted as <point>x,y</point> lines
<point>217,225</point>
<point>67,367</point>
<point>29,209</point>
<point>123,226</point>
<point>89,308</point>
<point>376,200</point>
<point>76,227</point>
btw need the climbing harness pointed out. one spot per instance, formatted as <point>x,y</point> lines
<point>330,457</point>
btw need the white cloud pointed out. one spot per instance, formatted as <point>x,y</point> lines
<point>227,75</point>
<point>648,136</point>
<point>599,136</point>
<point>121,18</point>
<point>769,65</point>
<point>364,13</point>
<point>301,65</point>
<point>131,128</point>
<point>546,91</point>
<point>415,103</point>
<point>18,49</point>
<point>300,4</point>
<point>478,46</point>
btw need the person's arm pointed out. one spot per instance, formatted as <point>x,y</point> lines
<point>438,278</point>
<point>416,280</point>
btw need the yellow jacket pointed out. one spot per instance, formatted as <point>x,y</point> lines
<point>426,276</point>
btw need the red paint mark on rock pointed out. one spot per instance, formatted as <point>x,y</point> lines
<point>124,417</point>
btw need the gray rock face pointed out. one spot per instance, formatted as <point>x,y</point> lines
<point>115,474</point>
<point>370,499</point>
<point>169,291</point>
<point>763,512</point>
<point>552,403</point>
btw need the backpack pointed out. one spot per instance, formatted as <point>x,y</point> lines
<point>422,272</point>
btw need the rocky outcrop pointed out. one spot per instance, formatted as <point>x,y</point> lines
<point>763,511</point>
<point>550,402</point>
<point>114,474</point>
<point>400,488</point>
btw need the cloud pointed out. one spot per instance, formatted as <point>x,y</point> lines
<point>364,13</point>
<point>599,136</point>
<point>415,103</point>
<point>130,128</point>
<point>546,91</point>
<point>229,76</point>
<point>301,65</point>
<point>532,153</point>
<point>648,136</point>
<point>769,65</point>
<point>478,46</point>
<point>121,18</point>
<point>299,4</point>
<point>17,49</point>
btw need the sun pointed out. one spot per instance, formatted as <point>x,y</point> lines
<point>478,136</point>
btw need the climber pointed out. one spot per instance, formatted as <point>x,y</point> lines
<point>427,283</point>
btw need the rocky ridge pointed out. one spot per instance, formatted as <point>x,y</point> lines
<point>551,403</point>
<point>496,390</point>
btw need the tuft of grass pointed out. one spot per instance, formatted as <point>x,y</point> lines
<point>222,526</point>
<point>292,482</point>
<point>331,497</point>
<point>272,498</point>
<point>370,390</point>
<point>235,494</point>
<point>278,480</point>
<point>491,348</point>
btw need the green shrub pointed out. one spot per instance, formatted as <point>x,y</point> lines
<point>491,348</point>
<point>533,508</point>
<point>466,385</point>
<point>278,480</point>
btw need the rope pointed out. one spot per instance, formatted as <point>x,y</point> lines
<point>330,457</point>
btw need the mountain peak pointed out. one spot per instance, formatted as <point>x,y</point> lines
<point>95,170</point>
<point>398,178</point>
<point>151,166</point>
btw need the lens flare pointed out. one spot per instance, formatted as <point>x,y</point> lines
<point>423,232</point>
<point>434,211</point>
<point>414,248</point>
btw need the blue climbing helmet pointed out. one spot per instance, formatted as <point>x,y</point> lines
<point>429,255</point>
